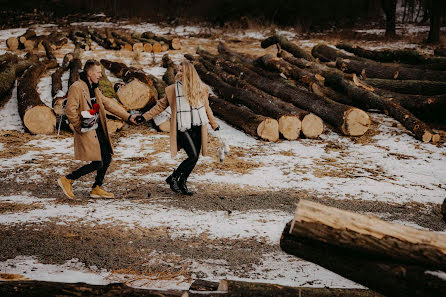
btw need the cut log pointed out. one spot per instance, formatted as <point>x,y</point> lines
<point>240,288</point>
<point>327,53</point>
<point>53,289</point>
<point>386,277</point>
<point>30,33</point>
<point>36,116</point>
<point>114,125</point>
<point>203,285</point>
<point>369,235</point>
<point>407,56</point>
<point>12,43</point>
<point>49,51</point>
<point>56,77</point>
<point>75,66</point>
<point>371,69</point>
<point>286,45</point>
<point>291,124</point>
<point>159,84</point>
<point>225,50</point>
<point>173,43</point>
<point>128,41</point>
<point>78,41</point>
<point>244,119</point>
<point>10,71</point>
<point>169,75</point>
<point>102,40</point>
<point>135,95</point>
<point>417,87</point>
<point>349,120</point>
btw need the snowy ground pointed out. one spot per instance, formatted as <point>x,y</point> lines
<point>231,227</point>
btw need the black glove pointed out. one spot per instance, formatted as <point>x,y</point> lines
<point>216,129</point>
<point>140,119</point>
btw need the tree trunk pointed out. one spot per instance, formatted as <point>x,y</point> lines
<point>53,289</point>
<point>203,285</point>
<point>389,278</point>
<point>102,40</point>
<point>240,288</point>
<point>377,70</point>
<point>369,235</point>
<point>244,119</point>
<point>173,43</point>
<point>443,210</point>
<point>49,51</point>
<point>10,71</point>
<point>36,116</point>
<point>417,87</point>
<point>75,66</point>
<point>169,75</point>
<point>78,42</point>
<point>30,33</point>
<point>326,53</point>
<point>56,77</point>
<point>435,14</point>
<point>225,50</point>
<point>406,56</point>
<point>389,7</point>
<point>291,125</point>
<point>286,45</point>
<point>349,120</point>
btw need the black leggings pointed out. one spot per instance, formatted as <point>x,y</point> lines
<point>99,166</point>
<point>190,141</point>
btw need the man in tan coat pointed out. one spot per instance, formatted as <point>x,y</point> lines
<point>85,109</point>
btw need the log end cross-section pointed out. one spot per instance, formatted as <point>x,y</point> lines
<point>356,122</point>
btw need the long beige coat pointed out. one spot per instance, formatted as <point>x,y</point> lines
<point>170,100</point>
<point>86,145</point>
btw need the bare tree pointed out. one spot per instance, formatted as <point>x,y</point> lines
<point>435,8</point>
<point>389,7</point>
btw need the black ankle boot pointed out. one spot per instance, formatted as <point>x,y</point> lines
<point>172,180</point>
<point>183,187</point>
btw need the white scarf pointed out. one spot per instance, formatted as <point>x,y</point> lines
<point>187,115</point>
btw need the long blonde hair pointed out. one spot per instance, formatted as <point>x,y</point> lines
<point>195,91</point>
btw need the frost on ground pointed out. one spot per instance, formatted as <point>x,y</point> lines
<point>231,227</point>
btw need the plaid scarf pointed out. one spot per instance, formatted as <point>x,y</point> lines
<point>187,115</point>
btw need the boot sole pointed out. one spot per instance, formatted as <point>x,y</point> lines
<point>99,196</point>
<point>63,189</point>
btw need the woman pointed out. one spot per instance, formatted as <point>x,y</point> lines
<point>190,114</point>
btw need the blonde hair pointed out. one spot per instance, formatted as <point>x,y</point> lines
<point>195,91</point>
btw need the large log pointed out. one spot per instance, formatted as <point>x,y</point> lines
<point>389,278</point>
<point>349,120</point>
<point>286,45</point>
<point>75,66</point>
<point>327,53</point>
<point>8,74</point>
<point>102,40</point>
<point>30,33</point>
<point>56,77</point>
<point>418,87</point>
<point>53,289</point>
<point>225,50</point>
<point>244,119</point>
<point>78,41</point>
<point>369,235</point>
<point>406,56</point>
<point>12,43</point>
<point>371,69</point>
<point>291,124</point>
<point>173,43</point>
<point>240,288</point>
<point>136,95</point>
<point>135,45</point>
<point>36,116</point>
<point>169,75</point>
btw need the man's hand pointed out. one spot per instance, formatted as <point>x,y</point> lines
<point>140,119</point>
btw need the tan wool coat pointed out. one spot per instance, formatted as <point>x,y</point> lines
<point>170,100</point>
<point>86,145</point>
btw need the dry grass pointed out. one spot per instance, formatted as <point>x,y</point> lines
<point>12,207</point>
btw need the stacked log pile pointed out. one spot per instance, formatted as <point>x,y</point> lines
<point>399,90</point>
<point>391,259</point>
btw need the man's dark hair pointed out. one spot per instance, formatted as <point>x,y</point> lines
<point>91,63</point>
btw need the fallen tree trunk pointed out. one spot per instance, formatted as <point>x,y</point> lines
<point>56,77</point>
<point>244,119</point>
<point>349,120</point>
<point>369,235</point>
<point>240,288</point>
<point>291,124</point>
<point>8,75</point>
<point>30,33</point>
<point>286,45</point>
<point>389,278</point>
<point>136,46</point>
<point>36,116</point>
<point>53,289</point>
<point>327,53</point>
<point>78,42</point>
<point>75,66</point>
<point>169,75</point>
<point>418,87</point>
<point>102,40</point>
<point>173,43</point>
<point>225,50</point>
<point>377,70</point>
<point>406,56</point>
<point>203,285</point>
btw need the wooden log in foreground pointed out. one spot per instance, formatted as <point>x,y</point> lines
<point>12,43</point>
<point>36,116</point>
<point>417,87</point>
<point>11,69</point>
<point>287,45</point>
<point>135,95</point>
<point>389,278</point>
<point>53,289</point>
<point>349,120</point>
<point>243,118</point>
<point>369,235</point>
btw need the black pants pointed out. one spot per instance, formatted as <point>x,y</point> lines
<point>99,166</point>
<point>190,141</point>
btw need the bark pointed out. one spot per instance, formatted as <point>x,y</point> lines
<point>326,53</point>
<point>240,288</point>
<point>225,50</point>
<point>373,69</point>
<point>49,51</point>
<point>159,84</point>
<point>173,43</point>
<point>435,14</point>
<point>102,40</point>
<point>41,288</point>
<point>244,119</point>
<point>389,7</point>
<point>8,75</point>
<point>286,45</point>
<point>443,210</point>
<point>406,56</point>
<point>75,66</point>
<point>30,33</point>
<point>56,77</point>
<point>127,39</point>
<point>78,41</point>
<point>203,285</point>
<point>417,87</point>
<point>259,105</point>
<point>369,235</point>
<point>36,116</point>
<point>389,278</point>
<point>349,120</point>
<point>169,75</point>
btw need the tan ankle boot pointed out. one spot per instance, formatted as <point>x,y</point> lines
<point>65,184</point>
<point>99,192</point>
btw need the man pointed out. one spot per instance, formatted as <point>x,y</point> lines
<point>85,109</point>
